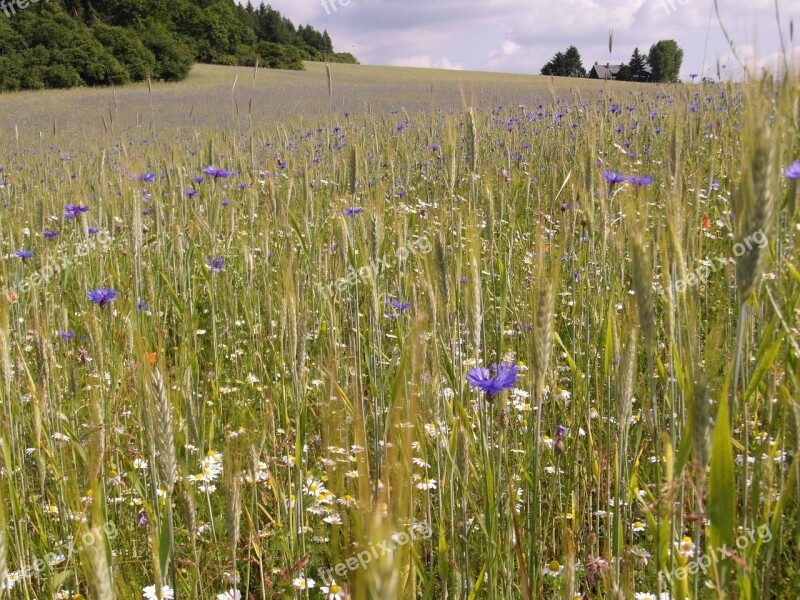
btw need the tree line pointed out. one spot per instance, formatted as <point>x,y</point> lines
<point>662,64</point>
<point>69,43</point>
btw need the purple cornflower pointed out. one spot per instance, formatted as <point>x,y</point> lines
<point>216,173</point>
<point>398,305</point>
<point>144,177</point>
<point>793,171</point>
<point>93,230</point>
<point>352,211</point>
<point>504,379</point>
<point>101,296</point>
<point>67,335</point>
<point>141,305</point>
<point>22,253</point>
<point>613,178</point>
<point>640,180</point>
<point>75,209</point>
<point>190,193</point>
<point>216,264</point>
<point>50,234</point>
<point>198,179</point>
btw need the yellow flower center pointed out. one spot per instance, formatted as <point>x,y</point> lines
<point>554,566</point>
<point>334,588</point>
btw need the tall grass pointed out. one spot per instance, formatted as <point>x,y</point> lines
<point>280,385</point>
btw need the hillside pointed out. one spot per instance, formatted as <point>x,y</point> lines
<point>111,42</point>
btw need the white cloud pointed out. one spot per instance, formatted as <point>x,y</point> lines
<point>522,35</point>
<point>426,62</point>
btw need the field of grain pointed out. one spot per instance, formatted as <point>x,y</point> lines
<point>396,333</point>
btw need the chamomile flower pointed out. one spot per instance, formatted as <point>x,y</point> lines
<point>149,593</point>
<point>303,583</point>
<point>332,591</point>
<point>685,547</point>
<point>553,569</point>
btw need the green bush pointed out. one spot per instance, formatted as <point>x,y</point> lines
<point>128,49</point>
<point>61,76</point>
<point>94,63</point>
<point>11,72</point>
<point>278,56</point>
<point>34,78</point>
<point>173,58</point>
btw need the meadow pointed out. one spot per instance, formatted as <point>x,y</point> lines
<point>393,333</point>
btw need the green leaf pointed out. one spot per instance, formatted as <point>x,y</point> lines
<point>721,481</point>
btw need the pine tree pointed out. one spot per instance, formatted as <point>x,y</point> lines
<point>638,66</point>
<point>565,64</point>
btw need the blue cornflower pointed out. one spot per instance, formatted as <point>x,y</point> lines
<point>142,305</point>
<point>144,177</point>
<point>352,211</point>
<point>398,305</point>
<point>216,173</point>
<point>613,178</point>
<point>198,179</point>
<point>640,180</point>
<point>76,209</point>
<point>22,253</point>
<point>216,264</point>
<point>101,296</point>
<point>190,193</point>
<point>93,230</point>
<point>504,379</point>
<point>793,171</point>
<point>67,335</point>
<point>50,234</point>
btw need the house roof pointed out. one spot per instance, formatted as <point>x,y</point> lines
<point>609,71</point>
<point>606,71</point>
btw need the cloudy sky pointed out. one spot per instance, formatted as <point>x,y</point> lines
<point>520,36</point>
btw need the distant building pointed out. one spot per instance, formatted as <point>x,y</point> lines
<point>609,71</point>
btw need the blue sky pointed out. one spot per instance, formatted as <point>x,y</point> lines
<point>519,36</point>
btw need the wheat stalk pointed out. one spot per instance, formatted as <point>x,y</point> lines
<point>753,202</point>
<point>99,567</point>
<point>164,436</point>
<point>543,334</point>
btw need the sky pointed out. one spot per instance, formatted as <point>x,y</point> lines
<point>520,36</point>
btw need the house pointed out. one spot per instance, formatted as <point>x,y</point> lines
<point>609,71</point>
